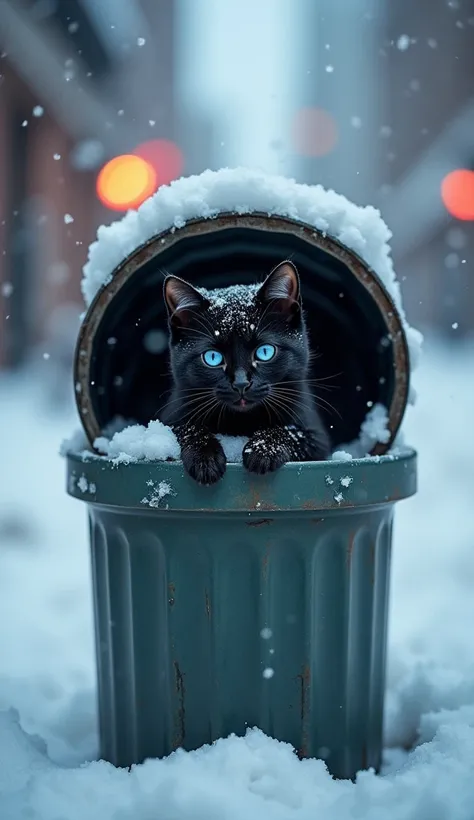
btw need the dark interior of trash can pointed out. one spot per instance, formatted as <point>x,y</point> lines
<point>129,371</point>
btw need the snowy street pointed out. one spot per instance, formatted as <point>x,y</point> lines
<point>236,232</point>
<point>48,722</point>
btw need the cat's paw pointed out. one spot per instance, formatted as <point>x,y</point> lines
<point>263,459</point>
<point>206,464</point>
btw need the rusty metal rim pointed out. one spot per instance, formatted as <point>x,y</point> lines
<point>298,487</point>
<point>257,221</point>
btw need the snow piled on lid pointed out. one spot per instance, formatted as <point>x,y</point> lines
<point>246,191</point>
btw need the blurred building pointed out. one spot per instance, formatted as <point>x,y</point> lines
<point>382,106</point>
<point>429,119</point>
<point>383,112</point>
<point>80,82</point>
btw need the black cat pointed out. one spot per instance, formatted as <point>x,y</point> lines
<point>240,360</point>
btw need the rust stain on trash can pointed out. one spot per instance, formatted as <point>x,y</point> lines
<point>180,721</point>
<point>305,679</point>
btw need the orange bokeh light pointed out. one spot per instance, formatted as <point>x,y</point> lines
<point>314,132</point>
<point>165,157</point>
<point>125,182</point>
<point>457,193</point>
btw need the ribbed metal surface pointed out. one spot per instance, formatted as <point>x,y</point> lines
<point>193,610</point>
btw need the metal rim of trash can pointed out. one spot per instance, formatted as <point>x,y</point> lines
<point>171,236</point>
<point>324,486</point>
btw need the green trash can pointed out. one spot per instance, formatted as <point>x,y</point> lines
<point>260,601</point>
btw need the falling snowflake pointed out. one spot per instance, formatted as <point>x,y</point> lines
<point>403,42</point>
<point>68,219</point>
<point>141,41</point>
<point>38,111</point>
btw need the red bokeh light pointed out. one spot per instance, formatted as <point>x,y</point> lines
<point>457,193</point>
<point>164,156</point>
<point>314,132</point>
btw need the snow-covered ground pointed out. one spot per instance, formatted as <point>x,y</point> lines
<point>47,709</point>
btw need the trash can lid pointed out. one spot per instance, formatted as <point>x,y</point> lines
<point>121,364</point>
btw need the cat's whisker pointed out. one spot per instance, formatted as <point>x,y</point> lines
<point>310,381</point>
<point>290,399</point>
<point>221,412</point>
<point>202,394</point>
<point>291,395</point>
<point>268,325</point>
<point>192,401</point>
<point>209,411</point>
<point>307,405</point>
<point>289,411</point>
<point>267,410</point>
<point>325,404</point>
<point>201,409</point>
<point>328,405</point>
<point>259,327</point>
<point>287,407</point>
<point>320,387</point>
<point>270,406</point>
<point>203,322</point>
<point>193,390</point>
<point>197,332</point>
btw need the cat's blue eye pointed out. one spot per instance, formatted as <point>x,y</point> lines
<point>265,352</point>
<point>212,358</point>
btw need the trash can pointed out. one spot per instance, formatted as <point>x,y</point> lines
<point>260,601</point>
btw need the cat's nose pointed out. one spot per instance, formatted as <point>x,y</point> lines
<point>241,383</point>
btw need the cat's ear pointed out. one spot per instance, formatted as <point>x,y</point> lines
<point>282,287</point>
<point>181,300</point>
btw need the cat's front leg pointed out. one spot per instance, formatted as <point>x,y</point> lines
<point>201,453</point>
<point>269,449</point>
